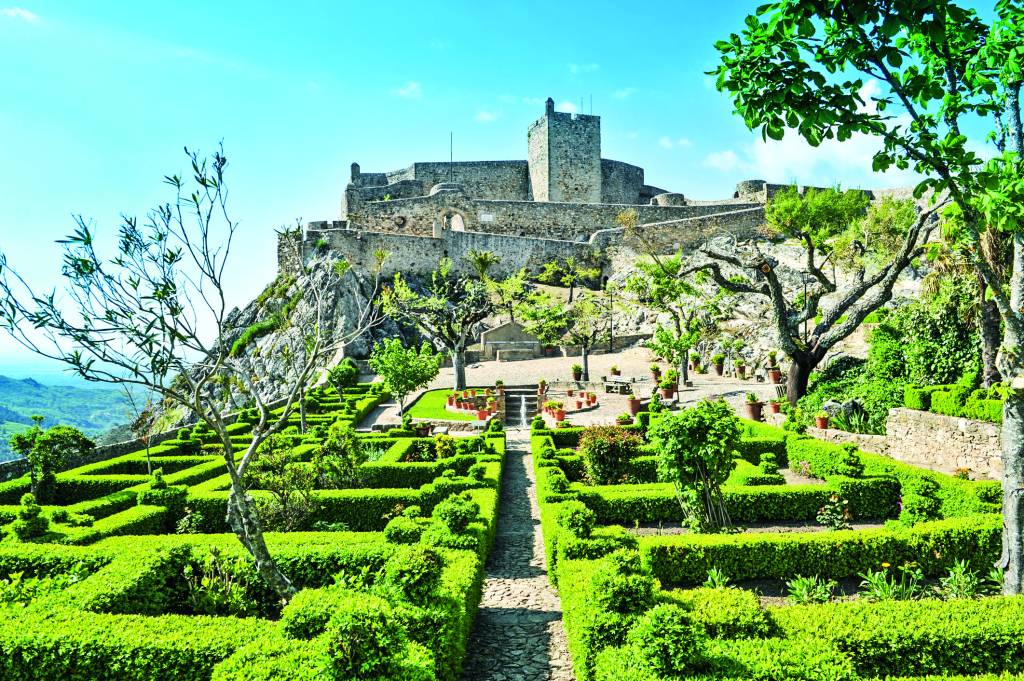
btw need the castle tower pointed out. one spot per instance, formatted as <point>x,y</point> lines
<point>564,155</point>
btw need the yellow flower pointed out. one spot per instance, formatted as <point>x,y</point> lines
<point>885,565</point>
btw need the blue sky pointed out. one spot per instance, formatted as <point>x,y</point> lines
<point>98,99</point>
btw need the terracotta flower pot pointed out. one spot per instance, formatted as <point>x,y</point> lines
<point>741,371</point>
<point>753,410</point>
<point>775,375</point>
<point>559,414</point>
<point>821,422</point>
<point>634,406</point>
<point>577,375</point>
<point>667,393</point>
<point>579,404</point>
<point>570,392</point>
<point>592,399</point>
<point>482,414</point>
<point>775,407</point>
<point>451,400</point>
<point>719,368</point>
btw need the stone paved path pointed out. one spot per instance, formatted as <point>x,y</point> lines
<point>518,634</point>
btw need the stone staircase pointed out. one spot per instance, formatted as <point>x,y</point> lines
<point>520,405</point>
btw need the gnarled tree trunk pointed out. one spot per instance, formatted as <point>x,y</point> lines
<point>1012,559</point>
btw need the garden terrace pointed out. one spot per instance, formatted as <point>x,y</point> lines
<point>646,607</point>
<point>146,579</point>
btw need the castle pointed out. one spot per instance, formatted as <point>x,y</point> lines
<point>563,200</point>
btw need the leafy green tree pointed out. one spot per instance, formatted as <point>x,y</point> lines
<point>404,369</point>
<point>570,272</point>
<point>482,262</point>
<point>803,65</point>
<point>695,452</point>
<point>344,375</point>
<point>449,311</point>
<point>584,322</point>
<point>658,284</point>
<point>48,451</point>
<point>509,293</point>
<point>827,223</point>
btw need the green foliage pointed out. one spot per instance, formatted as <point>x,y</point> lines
<point>457,512</point>
<point>804,590</point>
<point>606,452</point>
<point>415,571</point>
<point>218,585</point>
<point>835,555</point>
<point>576,518</point>
<point>402,369</point>
<point>30,523</point>
<point>696,453</point>
<point>365,640</point>
<point>920,500</point>
<point>344,375</point>
<point>672,643</point>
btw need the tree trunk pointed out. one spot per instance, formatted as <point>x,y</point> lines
<point>585,356</point>
<point>302,410</point>
<point>1012,559</point>
<point>245,523</point>
<point>799,374</point>
<point>459,367</point>
<point>988,329</point>
<point>684,367</point>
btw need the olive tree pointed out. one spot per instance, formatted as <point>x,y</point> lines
<point>154,314</point>
<point>804,65</point>
<point>448,311</point>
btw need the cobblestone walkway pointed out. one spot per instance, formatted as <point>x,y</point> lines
<point>518,633</point>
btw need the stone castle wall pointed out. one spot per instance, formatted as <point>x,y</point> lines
<point>572,221</point>
<point>419,254</point>
<point>621,182</point>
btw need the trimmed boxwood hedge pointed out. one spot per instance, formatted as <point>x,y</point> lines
<point>935,546</point>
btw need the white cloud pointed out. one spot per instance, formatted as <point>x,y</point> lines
<point>722,160</point>
<point>19,13</point>
<point>567,107</point>
<point>624,93</point>
<point>583,68</point>
<point>485,116</point>
<point>411,90</point>
<point>666,142</point>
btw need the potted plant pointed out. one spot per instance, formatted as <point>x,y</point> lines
<point>615,370</point>
<point>753,407</point>
<point>499,387</point>
<point>741,367</point>
<point>821,419</point>
<point>673,376</point>
<point>719,362</point>
<point>775,406</point>
<point>542,386</point>
<point>656,372</point>
<point>775,375</point>
<point>591,398</point>
<point>634,404</point>
<point>451,399</point>
<point>423,428</point>
<point>579,401</point>
<point>482,414</point>
<point>694,360</point>
<point>668,388</point>
<point>559,411</point>
<point>577,372</point>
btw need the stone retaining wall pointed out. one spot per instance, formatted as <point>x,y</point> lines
<point>934,441</point>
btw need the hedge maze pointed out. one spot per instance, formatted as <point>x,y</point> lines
<point>641,605</point>
<point>121,573</point>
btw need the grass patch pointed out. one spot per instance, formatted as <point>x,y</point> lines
<point>431,405</point>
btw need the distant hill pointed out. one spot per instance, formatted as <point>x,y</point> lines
<point>92,410</point>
